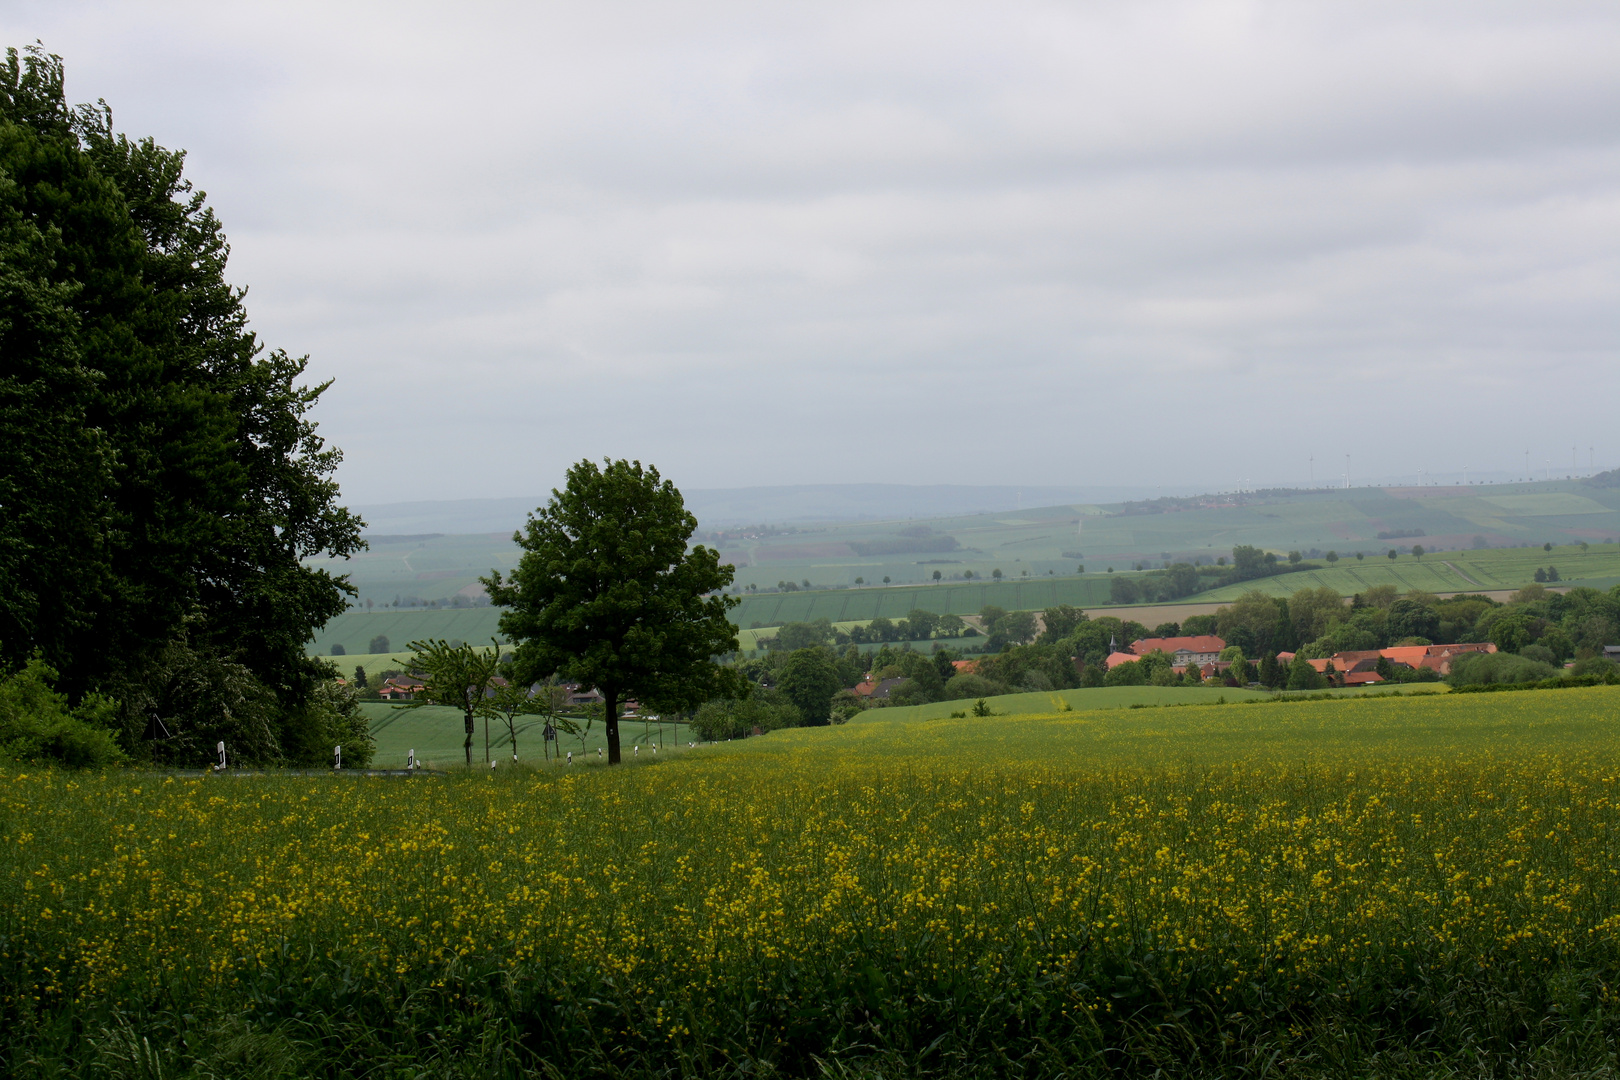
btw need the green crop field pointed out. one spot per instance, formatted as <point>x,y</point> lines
<point>1388,886</point>
<point>1471,571</point>
<point>355,629</point>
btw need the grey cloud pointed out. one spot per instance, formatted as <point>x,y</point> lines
<point>907,242</point>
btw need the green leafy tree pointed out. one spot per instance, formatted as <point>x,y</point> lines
<point>38,725</point>
<point>922,623</point>
<point>1417,551</point>
<point>809,680</point>
<point>458,676</point>
<point>606,592</point>
<point>187,487</point>
<point>379,644</point>
<point>1410,618</point>
<point>1123,591</point>
<point>1061,621</point>
<point>1271,675</point>
<point>1302,676</point>
<point>510,699</point>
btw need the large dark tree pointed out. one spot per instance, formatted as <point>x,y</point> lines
<point>607,593</point>
<point>161,480</point>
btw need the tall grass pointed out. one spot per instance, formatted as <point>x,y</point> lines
<point>1388,886</point>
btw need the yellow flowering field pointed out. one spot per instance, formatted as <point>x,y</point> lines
<point>1419,879</point>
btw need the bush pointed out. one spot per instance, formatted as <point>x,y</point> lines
<point>1539,653</point>
<point>729,718</point>
<point>1485,669</point>
<point>331,717</point>
<point>37,724</point>
<point>379,644</point>
<point>1600,666</point>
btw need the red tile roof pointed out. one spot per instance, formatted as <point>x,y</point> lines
<point>1203,643</point>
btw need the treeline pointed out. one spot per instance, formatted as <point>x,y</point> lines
<point>161,479</point>
<point>1248,563</point>
<point>918,625</point>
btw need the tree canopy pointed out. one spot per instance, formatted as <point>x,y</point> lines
<point>161,478</point>
<point>607,593</point>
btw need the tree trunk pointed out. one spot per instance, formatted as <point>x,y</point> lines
<point>487,758</point>
<point>610,714</point>
<point>467,745</point>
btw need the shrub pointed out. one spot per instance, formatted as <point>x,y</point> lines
<point>379,644</point>
<point>1484,669</point>
<point>37,724</point>
<point>971,685</point>
<point>727,718</point>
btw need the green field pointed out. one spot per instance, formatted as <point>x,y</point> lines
<point>1107,697</point>
<point>1038,551</point>
<point>1449,572</point>
<point>436,733</point>
<point>1472,571</point>
<point>1388,886</point>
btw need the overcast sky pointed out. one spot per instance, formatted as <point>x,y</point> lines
<point>1142,243</point>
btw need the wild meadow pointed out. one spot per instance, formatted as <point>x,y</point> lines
<point>1386,886</point>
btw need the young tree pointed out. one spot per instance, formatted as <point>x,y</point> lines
<point>459,676</point>
<point>510,699</point>
<point>607,593</point>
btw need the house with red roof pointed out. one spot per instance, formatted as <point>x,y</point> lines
<point>1198,649</point>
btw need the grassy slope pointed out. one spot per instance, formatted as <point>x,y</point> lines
<point>1246,728</point>
<point>1108,697</point>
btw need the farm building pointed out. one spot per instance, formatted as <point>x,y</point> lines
<point>399,689</point>
<point>1199,649</point>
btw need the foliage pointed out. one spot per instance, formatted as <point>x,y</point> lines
<point>808,680</point>
<point>458,676</point>
<point>607,593</point>
<point>38,725</point>
<point>736,717</point>
<point>162,480</point>
<point>1500,667</point>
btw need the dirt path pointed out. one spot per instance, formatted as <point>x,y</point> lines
<point>1456,570</point>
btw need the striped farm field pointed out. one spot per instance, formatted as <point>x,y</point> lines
<point>1387,886</point>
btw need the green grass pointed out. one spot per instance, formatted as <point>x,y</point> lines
<point>1393,886</point>
<point>1108,697</point>
<point>436,734</point>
